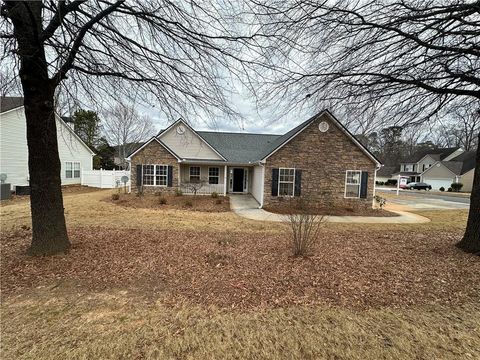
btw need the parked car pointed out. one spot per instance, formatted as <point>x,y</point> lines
<point>418,186</point>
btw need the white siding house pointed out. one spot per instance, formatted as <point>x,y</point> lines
<point>75,155</point>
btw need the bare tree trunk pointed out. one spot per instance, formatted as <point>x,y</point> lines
<point>49,232</point>
<point>471,238</point>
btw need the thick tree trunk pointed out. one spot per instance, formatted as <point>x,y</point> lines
<point>49,231</point>
<point>471,240</point>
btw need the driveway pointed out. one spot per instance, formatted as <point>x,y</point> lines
<point>424,200</point>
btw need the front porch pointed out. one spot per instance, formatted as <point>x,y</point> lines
<point>206,179</point>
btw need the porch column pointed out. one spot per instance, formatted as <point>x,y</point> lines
<point>225,176</point>
<point>179,175</point>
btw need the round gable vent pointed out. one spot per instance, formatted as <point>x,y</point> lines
<point>323,126</point>
<point>180,129</point>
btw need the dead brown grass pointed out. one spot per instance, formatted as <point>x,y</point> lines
<point>114,326</point>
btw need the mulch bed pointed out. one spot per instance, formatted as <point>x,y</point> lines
<point>333,211</point>
<point>203,203</point>
<point>347,268</point>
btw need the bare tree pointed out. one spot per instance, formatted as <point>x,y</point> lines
<point>407,59</point>
<point>179,55</point>
<point>466,126</point>
<point>126,129</point>
<point>305,225</point>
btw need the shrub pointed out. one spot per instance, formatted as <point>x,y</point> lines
<point>188,203</point>
<point>381,201</point>
<point>214,195</point>
<point>162,201</point>
<point>391,182</point>
<point>115,197</point>
<point>442,189</point>
<point>449,189</point>
<point>305,227</point>
<point>178,192</point>
<point>456,187</point>
<point>219,201</point>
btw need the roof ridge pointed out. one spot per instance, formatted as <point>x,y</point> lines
<point>236,133</point>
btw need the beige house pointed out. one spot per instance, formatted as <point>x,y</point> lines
<point>459,169</point>
<point>319,158</point>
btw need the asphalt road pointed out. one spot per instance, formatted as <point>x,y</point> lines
<point>420,199</point>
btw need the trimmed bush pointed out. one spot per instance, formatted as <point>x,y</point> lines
<point>449,189</point>
<point>456,187</point>
<point>391,182</point>
<point>442,189</point>
<point>214,195</point>
<point>115,197</point>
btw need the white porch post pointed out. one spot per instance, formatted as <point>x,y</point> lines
<point>179,175</point>
<point>225,176</point>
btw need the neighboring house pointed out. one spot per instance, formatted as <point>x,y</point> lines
<point>421,161</point>
<point>385,173</point>
<point>75,155</point>
<point>459,169</point>
<point>319,159</point>
<point>121,152</point>
<point>440,168</point>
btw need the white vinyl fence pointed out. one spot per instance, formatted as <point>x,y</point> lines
<point>105,179</point>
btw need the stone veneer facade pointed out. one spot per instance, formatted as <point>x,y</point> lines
<point>323,158</point>
<point>154,153</point>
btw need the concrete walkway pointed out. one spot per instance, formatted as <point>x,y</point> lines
<point>246,206</point>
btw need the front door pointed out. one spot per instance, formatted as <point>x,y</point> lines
<point>238,175</point>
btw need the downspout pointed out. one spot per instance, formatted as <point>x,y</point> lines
<point>377,167</point>
<point>262,165</point>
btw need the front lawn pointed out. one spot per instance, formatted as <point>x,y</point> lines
<point>172,283</point>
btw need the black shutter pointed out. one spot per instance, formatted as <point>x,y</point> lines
<point>139,175</point>
<point>298,182</point>
<point>170,176</point>
<point>364,185</point>
<point>274,182</point>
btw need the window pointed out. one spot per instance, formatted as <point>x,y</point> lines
<point>155,175</point>
<point>194,173</point>
<point>72,170</point>
<point>161,172</point>
<point>148,175</point>
<point>76,170</point>
<point>213,175</point>
<point>352,184</point>
<point>286,182</point>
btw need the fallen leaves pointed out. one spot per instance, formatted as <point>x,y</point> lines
<point>348,268</point>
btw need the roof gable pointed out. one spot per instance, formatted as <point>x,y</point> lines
<point>188,143</point>
<point>153,138</point>
<point>284,139</point>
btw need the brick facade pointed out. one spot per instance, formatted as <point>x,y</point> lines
<point>154,153</point>
<point>323,159</point>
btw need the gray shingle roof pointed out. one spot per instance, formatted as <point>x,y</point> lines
<point>240,147</point>
<point>10,102</point>
<point>436,154</point>
<point>453,166</point>
<point>468,160</point>
<point>387,170</point>
<point>244,148</point>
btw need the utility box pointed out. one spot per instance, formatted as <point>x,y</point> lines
<point>22,190</point>
<point>5,191</point>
